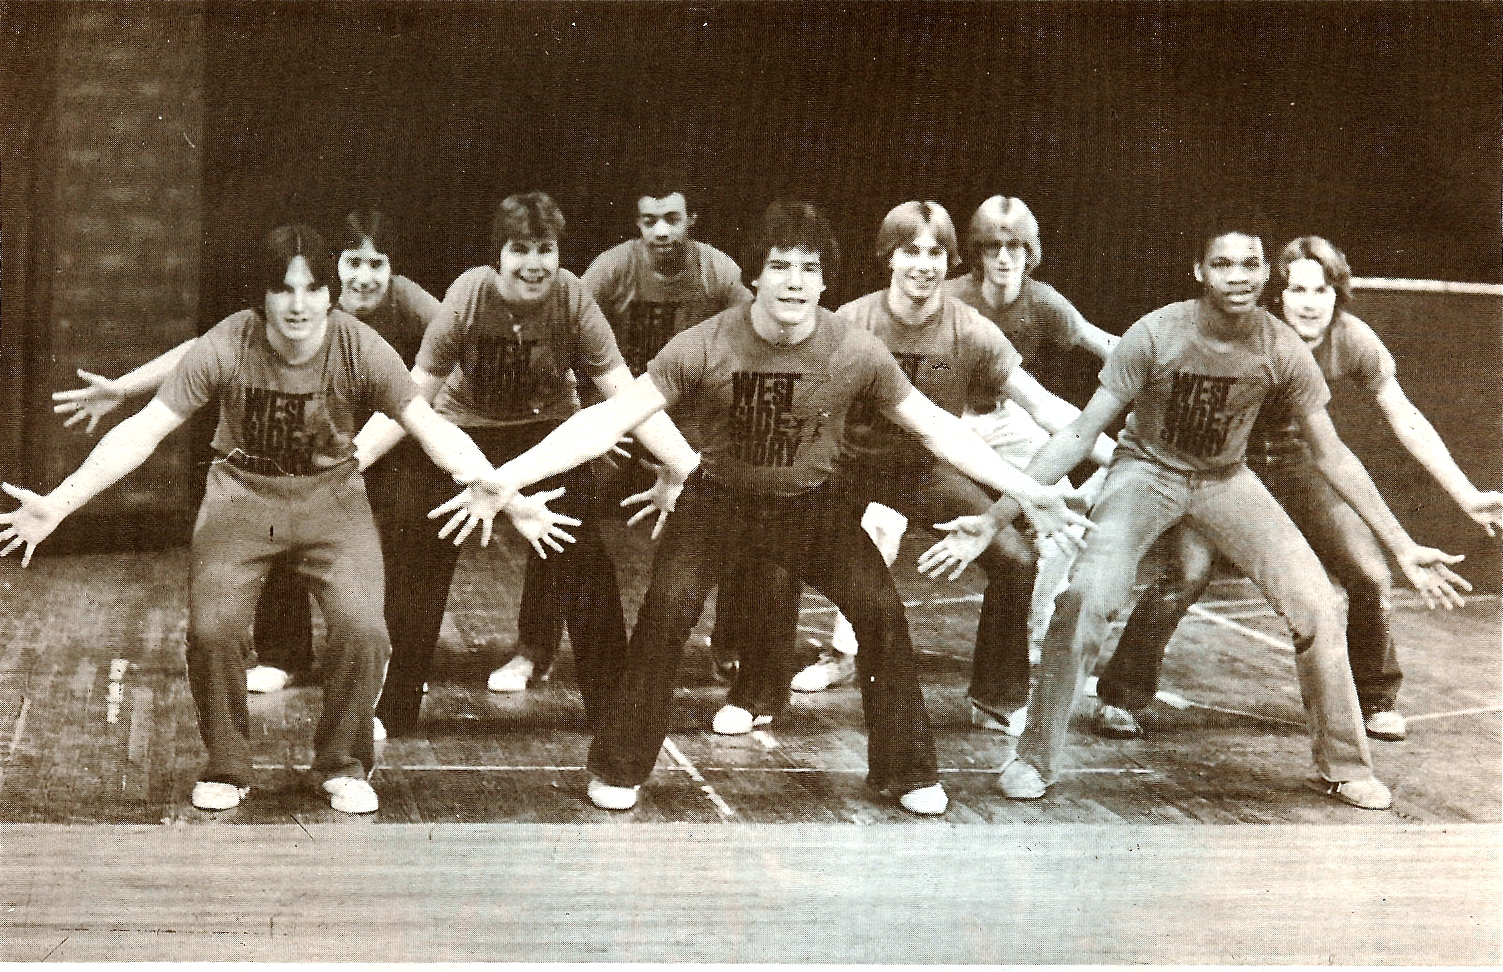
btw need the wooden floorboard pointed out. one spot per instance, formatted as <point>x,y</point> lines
<point>928,892</point>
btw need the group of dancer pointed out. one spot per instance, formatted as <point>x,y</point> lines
<point>793,445</point>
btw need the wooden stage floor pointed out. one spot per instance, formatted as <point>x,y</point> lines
<point>749,837</point>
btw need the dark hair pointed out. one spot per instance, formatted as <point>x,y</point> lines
<point>362,225</point>
<point>906,221</point>
<point>525,216</point>
<point>658,181</point>
<point>1215,228</point>
<point>268,265</point>
<point>788,224</point>
<point>1338,272</point>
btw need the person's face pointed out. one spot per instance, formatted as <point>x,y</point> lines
<point>664,224</point>
<point>1233,273</point>
<point>789,285</point>
<point>526,269</point>
<point>918,267</point>
<point>1309,300</point>
<point>297,309</point>
<point>1004,261</point>
<point>364,278</point>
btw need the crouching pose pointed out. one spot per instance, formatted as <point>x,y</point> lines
<point>770,385</point>
<point>291,383</point>
<point>1196,373</point>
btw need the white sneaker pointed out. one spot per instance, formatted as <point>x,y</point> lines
<point>608,797</point>
<point>833,669</point>
<point>218,796</point>
<point>1368,794</point>
<point>349,795</point>
<point>929,801</point>
<point>511,677</point>
<point>732,720</point>
<point>1016,722</point>
<point>1388,726</point>
<point>265,678</point>
<point>1020,781</point>
<point>378,731</point>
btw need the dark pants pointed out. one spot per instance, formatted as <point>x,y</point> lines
<point>321,524</point>
<point>1346,548</point>
<point>756,622</point>
<point>926,495</point>
<point>420,566</point>
<point>818,538</point>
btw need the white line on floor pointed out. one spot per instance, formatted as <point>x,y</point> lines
<point>1251,715</point>
<point>1217,619</point>
<point>705,788</point>
<point>1456,713</point>
<point>19,727</point>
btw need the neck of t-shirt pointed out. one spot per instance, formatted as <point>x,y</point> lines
<point>296,352</point>
<point>778,334</point>
<point>1221,326</point>
<point>905,311</point>
<point>997,297</point>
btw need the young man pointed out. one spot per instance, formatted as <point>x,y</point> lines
<point>1315,290</point>
<point>650,288</point>
<point>1003,249</point>
<point>770,385</point>
<point>290,384</point>
<point>1196,373</point>
<point>958,360</point>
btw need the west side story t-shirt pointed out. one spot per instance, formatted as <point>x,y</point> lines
<point>645,309</point>
<point>1040,317</point>
<point>956,358</point>
<point>1194,403</point>
<point>509,364</point>
<point>1350,350</point>
<point>772,418</point>
<point>292,419</point>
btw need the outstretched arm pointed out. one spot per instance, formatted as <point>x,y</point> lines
<point>1425,567</point>
<point>952,441</point>
<point>658,433</point>
<point>1051,411</point>
<point>1424,443</point>
<point>381,433</point>
<point>103,395</point>
<point>119,453</point>
<point>1095,340</point>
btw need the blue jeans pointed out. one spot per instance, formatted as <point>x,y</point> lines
<point>1345,545</point>
<point>1140,501</point>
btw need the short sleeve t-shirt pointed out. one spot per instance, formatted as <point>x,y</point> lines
<point>956,358</point>
<point>771,418</point>
<point>509,364</point>
<point>1194,401</point>
<point>1040,316</point>
<point>646,309</point>
<point>285,418</point>
<point>1351,350</point>
<point>403,316</point>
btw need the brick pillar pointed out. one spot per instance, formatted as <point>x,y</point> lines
<point>126,225</point>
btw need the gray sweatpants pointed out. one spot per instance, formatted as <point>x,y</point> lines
<point>323,522</point>
<point>1141,500</point>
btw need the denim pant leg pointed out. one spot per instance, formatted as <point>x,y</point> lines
<point>834,555</point>
<point>1131,679</point>
<point>756,612</point>
<point>684,571</point>
<point>1347,547</point>
<point>1139,501</point>
<point>1252,530</point>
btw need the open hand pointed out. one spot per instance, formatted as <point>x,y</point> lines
<point>964,540</point>
<point>1054,518</point>
<point>1486,509</point>
<point>94,401</point>
<point>477,505</point>
<point>1428,570</point>
<point>661,497</point>
<point>30,523</point>
<point>540,525</point>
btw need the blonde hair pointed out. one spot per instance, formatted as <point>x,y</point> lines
<point>995,215</point>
